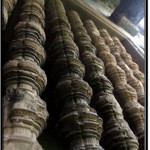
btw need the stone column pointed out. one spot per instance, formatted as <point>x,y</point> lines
<point>103,99</point>
<point>78,126</point>
<point>125,94</point>
<point>24,111</point>
<point>7,8</point>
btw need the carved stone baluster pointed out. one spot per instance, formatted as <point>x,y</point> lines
<point>78,125</point>
<point>137,73</point>
<point>25,112</point>
<point>7,8</point>
<point>123,53</point>
<point>131,79</point>
<point>125,94</point>
<point>103,100</point>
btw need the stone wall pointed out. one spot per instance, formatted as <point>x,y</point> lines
<point>102,6</point>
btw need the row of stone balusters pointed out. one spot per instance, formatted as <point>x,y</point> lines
<point>78,125</point>
<point>7,8</point>
<point>125,94</point>
<point>128,60</point>
<point>117,53</point>
<point>25,112</point>
<point>117,134</point>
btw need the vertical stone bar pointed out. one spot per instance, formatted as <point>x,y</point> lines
<point>132,65</point>
<point>131,79</point>
<point>25,112</point>
<point>78,125</point>
<point>7,8</point>
<point>103,99</point>
<point>125,94</point>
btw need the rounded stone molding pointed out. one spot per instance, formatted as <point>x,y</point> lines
<point>113,127</point>
<point>106,36</point>
<point>27,48</point>
<point>81,36</point>
<point>74,17</point>
<point>92,63</point>
<point>102,47</point>
<point>7,8</point>
<point>107,106</point>
<point>91,28</point>
<point>100,84</point>
<point>133,66</point>
<point>33,6</point>
<point>67,67</point>
<point>65,42</point>
<point>125,92</point>
<point>114,49</point>
<point>97,40</point>
<point>139,75</point>
<point>56,21</point>
<point>78,28</point>
<point>56,9</point>
<point>75,88</point>
<point>25,72</point>
<point>61,30</point>
<point>80,122</point>
<point>33,12</point>
<point>115,74</point>
<point>30,29</point>
<point>107,58</point>
<point>26,107</point>
<point>63,48</point>
<point>126,57</point>
<point>40,2</point>
<point>119,44</point>
<point>4,17</point>
<point>31,15</point>
<point>86,47</point>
